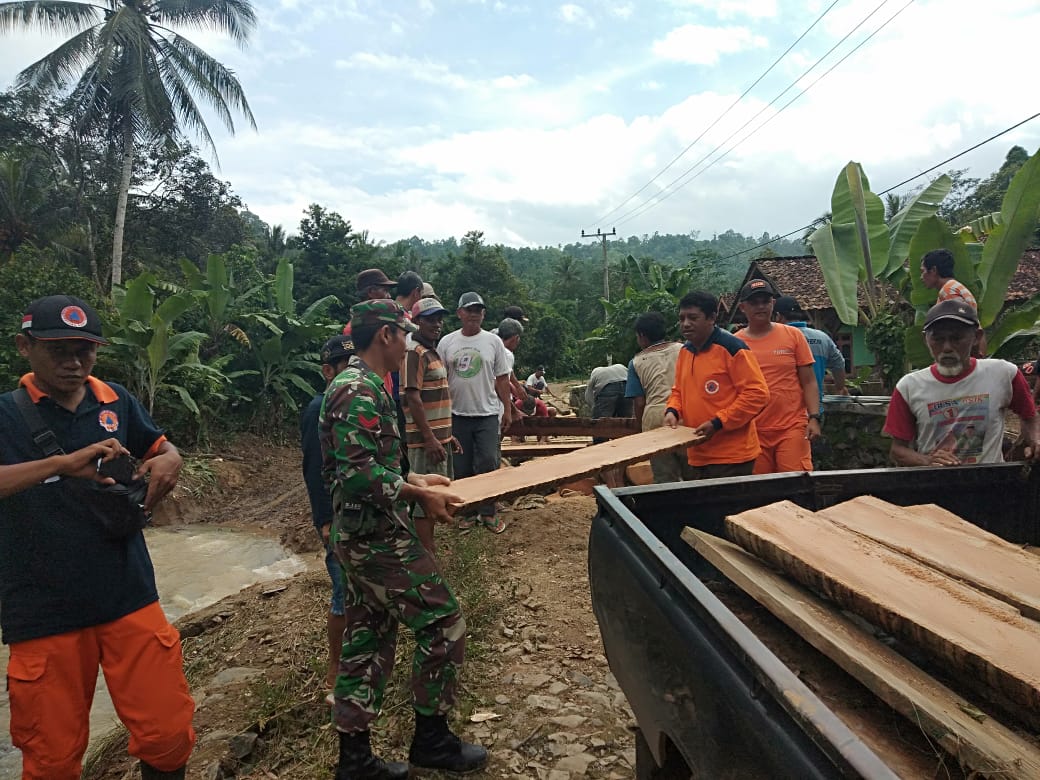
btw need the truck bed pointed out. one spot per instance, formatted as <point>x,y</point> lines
<point>710,697</point>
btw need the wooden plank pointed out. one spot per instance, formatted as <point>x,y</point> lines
<point>535,450</point>
<point>640,473</point>
<point>602,427</point>
<point>985,747</point>
<point>940,539</point>
<point>962,627</point>
<point>549,472</point>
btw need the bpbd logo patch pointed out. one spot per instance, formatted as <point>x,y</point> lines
<point>711,387</point>
<point>74,317</point>
<point>108,420</point>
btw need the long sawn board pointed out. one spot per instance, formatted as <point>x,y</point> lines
<point>940,539</point>
<point>986,747</point>
<point>964,628</point>
<point>549,472</point>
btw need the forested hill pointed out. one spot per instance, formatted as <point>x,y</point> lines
<point>725,254</point>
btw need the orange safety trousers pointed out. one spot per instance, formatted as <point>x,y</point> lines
<point>783,450</point>
<point>51,684</point>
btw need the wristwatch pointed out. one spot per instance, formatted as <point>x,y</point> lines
<point>818,417</point>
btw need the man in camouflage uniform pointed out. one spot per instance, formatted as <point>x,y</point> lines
<point>392,575</point>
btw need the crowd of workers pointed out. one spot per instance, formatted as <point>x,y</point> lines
<point>405,410</point>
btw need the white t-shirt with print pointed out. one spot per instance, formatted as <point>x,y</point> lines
<point>473,363</point>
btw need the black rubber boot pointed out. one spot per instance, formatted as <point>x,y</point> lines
<point>356,761</point>
<point>149,772</point>
<point>435,747</point>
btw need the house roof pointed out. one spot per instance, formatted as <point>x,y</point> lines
<point>802,278</point>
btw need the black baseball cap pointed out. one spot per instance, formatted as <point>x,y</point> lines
<point>62,317</point>
<point>754,287</point>
<point>952,309</point>
<point>786,305</point>
<point>468,299</point>
<point>514,313</point>
<point>339,347</point>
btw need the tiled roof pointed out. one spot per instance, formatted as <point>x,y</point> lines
<point>1026,281</point>
<point>802,278</point>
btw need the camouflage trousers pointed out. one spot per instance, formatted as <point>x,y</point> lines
<point>392,579</point>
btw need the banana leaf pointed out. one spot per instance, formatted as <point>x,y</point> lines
<point>906,222</point>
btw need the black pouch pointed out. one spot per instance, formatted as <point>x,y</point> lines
<point>118,508</point>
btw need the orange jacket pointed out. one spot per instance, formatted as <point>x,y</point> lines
<point>720,380</point>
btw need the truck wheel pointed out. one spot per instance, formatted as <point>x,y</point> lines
<point>647,769</point>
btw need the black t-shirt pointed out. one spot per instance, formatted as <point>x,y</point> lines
<point>310,443</point>
<point>58,570</point>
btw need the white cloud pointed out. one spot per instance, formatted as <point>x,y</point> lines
<point>699,45</point>
<point>650,86</point>
<point>727,9</point>
<point>623,11</point>
<point>512,82</point>
<point>575,14</point>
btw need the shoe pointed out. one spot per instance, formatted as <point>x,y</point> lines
<point>467,523</point>
<point>356,761</point>
<point>435,747</point>
<point>494,523</point>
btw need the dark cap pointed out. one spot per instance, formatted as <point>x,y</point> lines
<point>62,317</point>
<point>514,312</point>
<point>337,348</point>
<point>786,305</point>
<point>380,312</point>
<point>754,287</point>
<point>952,309</point>
<point>372,277</point>
<point>508,328</point>
<point>470,299</point>
<point>426,307</point>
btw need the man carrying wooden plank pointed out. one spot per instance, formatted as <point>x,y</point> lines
<point>718,390</point>
<point>952,413</point>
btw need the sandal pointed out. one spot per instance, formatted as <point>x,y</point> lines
<point>466,523</point>
<point>494,523</point>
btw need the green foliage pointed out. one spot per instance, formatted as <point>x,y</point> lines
<point>146,349</point>
<point>885,336</point>
<point>283,344</point>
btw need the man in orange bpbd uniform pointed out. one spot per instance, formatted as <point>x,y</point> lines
<point>718,391</point>
<point>77,588</point>
<point>791,419</point>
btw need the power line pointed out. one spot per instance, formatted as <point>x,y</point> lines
<point>721,116</point>
<point>668,190</point>
<point>894,186</point>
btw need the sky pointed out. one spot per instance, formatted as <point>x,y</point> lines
<point>533,121</point>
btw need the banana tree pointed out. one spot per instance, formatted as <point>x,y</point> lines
<point>858,249</point>
<point>986,267</point>
<point>282,345</point>
<point>145,346</point>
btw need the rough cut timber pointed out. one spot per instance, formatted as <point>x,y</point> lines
<point>602,427</point>
<point>942,540</point>
<point>961,627</point>
<point>549,472</point>
<point>538,450</point>
<point>985,747</point>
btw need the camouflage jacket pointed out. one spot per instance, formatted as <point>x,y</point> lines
<point>361,451</point>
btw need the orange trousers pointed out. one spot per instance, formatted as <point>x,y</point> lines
<point>51,684</point>
<point>784,450</point>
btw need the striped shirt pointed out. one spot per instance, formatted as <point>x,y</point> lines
<point>425,371</point>
<point>957,291</point>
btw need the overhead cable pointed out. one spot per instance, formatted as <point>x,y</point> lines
<point>721,116</point>
<point>972,148</point>
<point>677,183</point>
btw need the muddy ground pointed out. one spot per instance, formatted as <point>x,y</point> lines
<point>536,688</point>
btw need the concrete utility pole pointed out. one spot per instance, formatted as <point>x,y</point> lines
<point>606,271</point>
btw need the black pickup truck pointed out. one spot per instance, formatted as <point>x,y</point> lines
<point>711,700</point>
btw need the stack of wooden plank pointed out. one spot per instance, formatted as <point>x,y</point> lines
<point>963,598</point>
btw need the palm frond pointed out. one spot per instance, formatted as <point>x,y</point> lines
<point>57,16</point>
<point>208,76</point>
<point>236,18</point>
<point>56,70</point>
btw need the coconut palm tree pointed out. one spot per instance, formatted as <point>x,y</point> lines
<point>133,73</point>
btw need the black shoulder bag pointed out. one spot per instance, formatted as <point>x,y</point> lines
<point>118,508</point>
